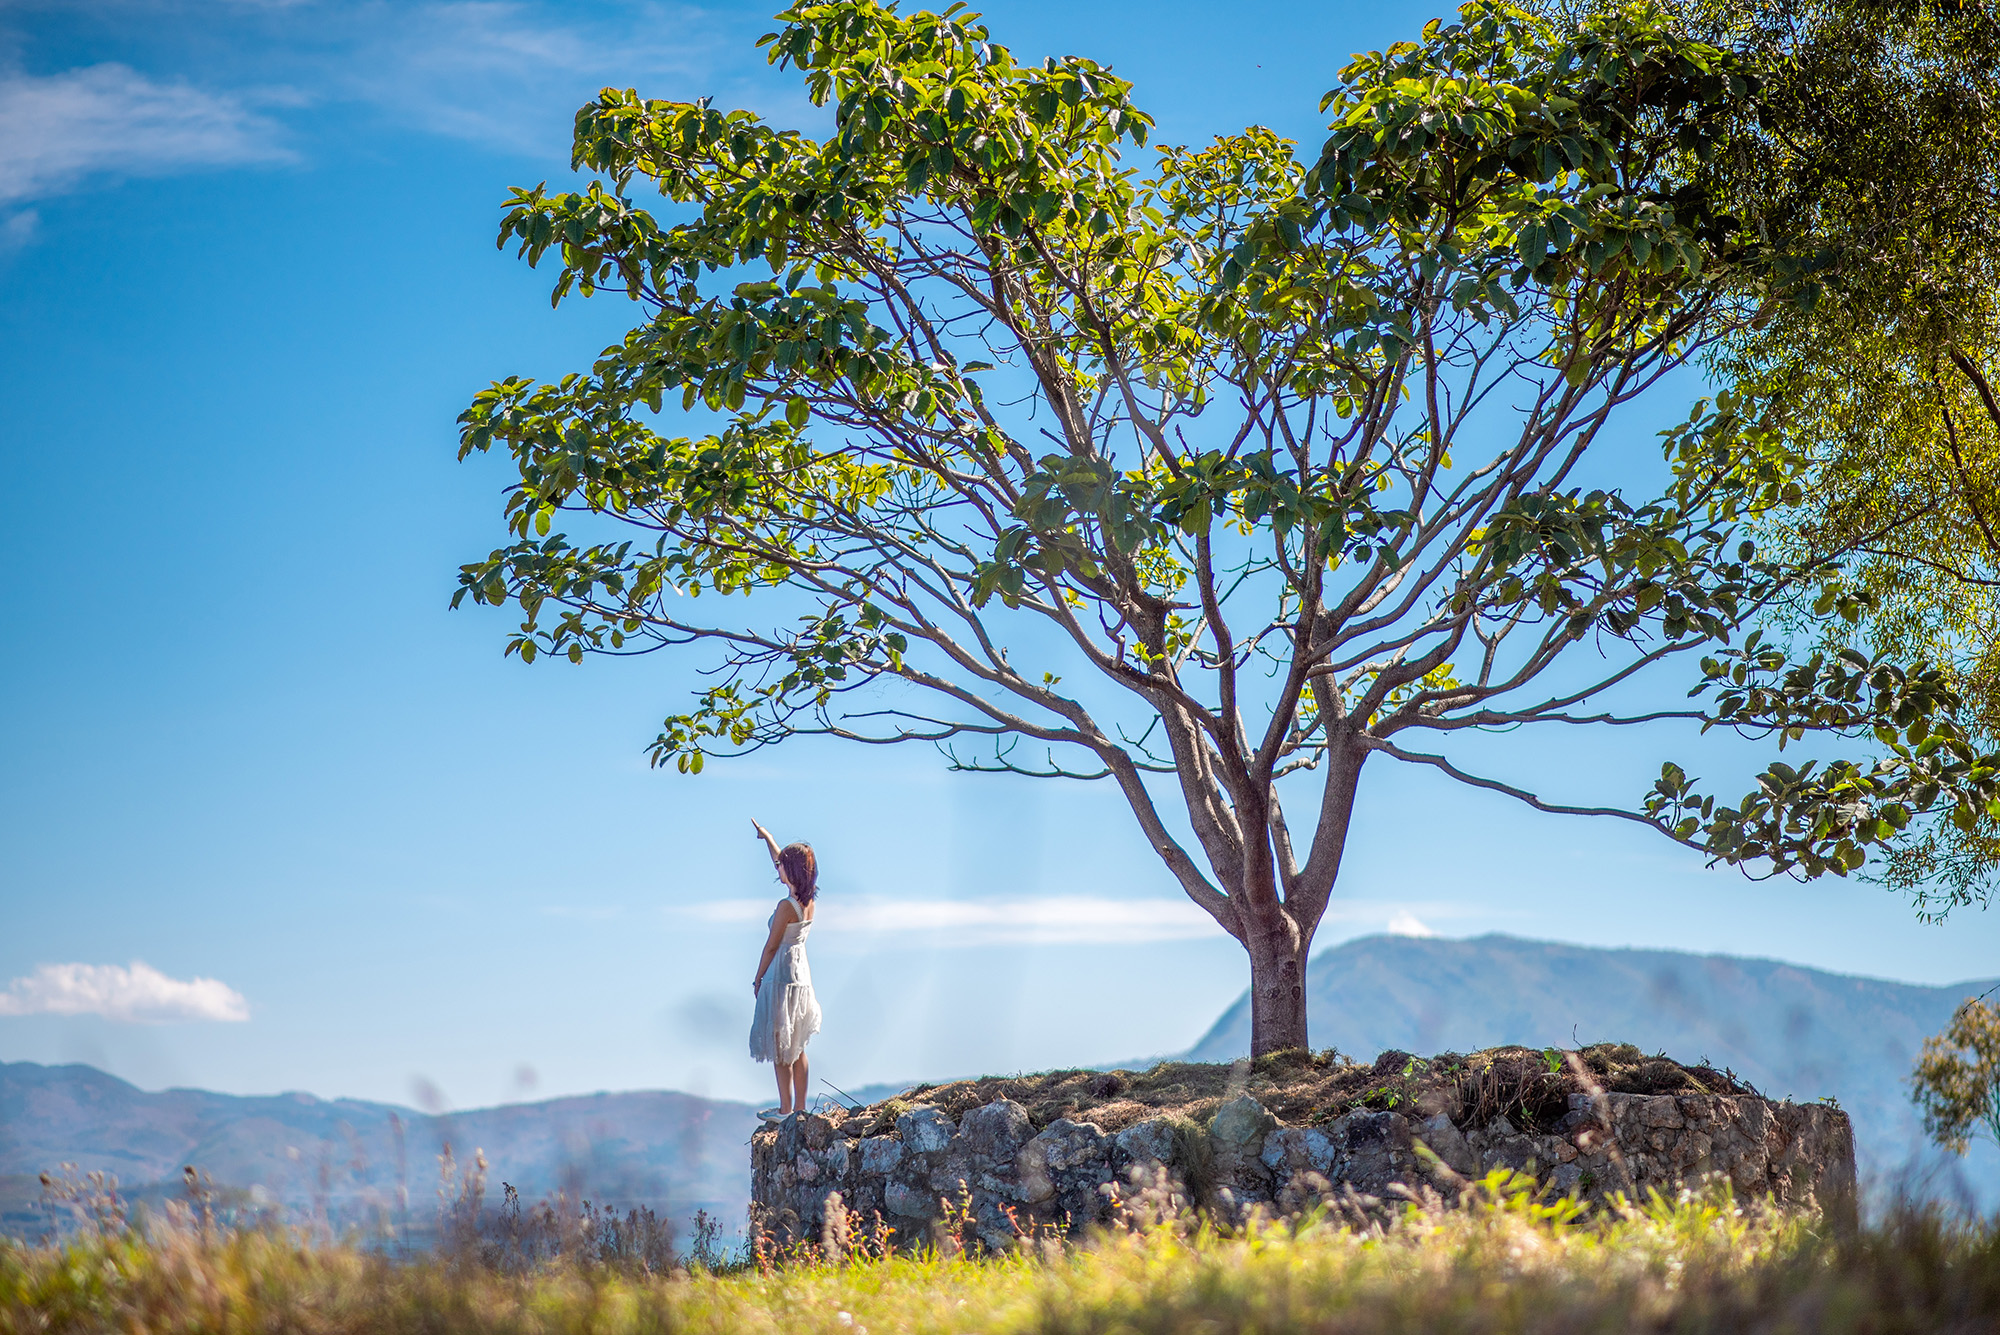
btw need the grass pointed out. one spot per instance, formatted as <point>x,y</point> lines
<point>1508,1263</point>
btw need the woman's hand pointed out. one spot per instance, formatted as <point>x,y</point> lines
<point>756,983</point>
<point>770,844</point>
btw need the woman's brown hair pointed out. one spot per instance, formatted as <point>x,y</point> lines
<point>801,870</point>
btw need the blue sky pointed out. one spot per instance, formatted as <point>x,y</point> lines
<point>247,280</point>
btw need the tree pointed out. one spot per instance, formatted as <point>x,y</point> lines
<point>1214,481</point>
<point>1957,1079</point>
<point>1886,150</point>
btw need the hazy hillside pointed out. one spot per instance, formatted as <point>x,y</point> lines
<point>673,1152</point>
<point>1793,1032</point>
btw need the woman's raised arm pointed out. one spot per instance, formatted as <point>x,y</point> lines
<point>769,843</point>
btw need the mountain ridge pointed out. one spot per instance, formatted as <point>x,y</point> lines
<point>355,1162</point>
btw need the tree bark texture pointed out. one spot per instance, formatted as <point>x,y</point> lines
<point>1278,903</point>
<point>1277,980</point>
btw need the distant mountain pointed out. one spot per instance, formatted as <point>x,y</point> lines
<point>1793,1032</point>
<point>357,1163</point>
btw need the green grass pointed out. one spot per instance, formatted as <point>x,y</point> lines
<point>1506,1264</point>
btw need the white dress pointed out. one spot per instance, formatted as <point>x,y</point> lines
<point>787,1011</point>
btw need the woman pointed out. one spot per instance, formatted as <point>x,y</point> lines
<point>787,1012</point>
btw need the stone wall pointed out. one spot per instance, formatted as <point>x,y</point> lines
<point>1071,1174</point>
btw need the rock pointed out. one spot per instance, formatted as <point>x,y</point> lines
<point>1150,1142</point>
<point>1035,1182</point>
<point>924,1130</point>
<point>1584,1113</point>
<point>1447,1142</point>
<point>1814,1159</point>
<point>1068,1144</point>
<point>1515,1152</point>
<point>788,1140</point>
<point>1662,1111</point>
<point>1375,1150</point>
<point>1069,1174</point>
<point>1236,1136</point>
<point>1297,1149</point>
<point>910,1202</point>
<point>1063,1167</point>
<point>1240,1125</point>
<point>994,1226</point>
<point>951,1171</point>
<point>880,1155</point>
<point>1554,1150</point>
<point>982,1156</point>
<point>1299,1163</point>
<point>1364,1128</point>
<point>997,1131</point>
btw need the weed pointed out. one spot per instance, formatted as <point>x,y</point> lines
<point>1509,1262</point>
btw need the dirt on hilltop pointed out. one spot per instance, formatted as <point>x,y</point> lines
<point>1530,1086</point>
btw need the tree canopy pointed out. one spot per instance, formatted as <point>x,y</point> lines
<point>1215,472</point>
<point>1886,152</point>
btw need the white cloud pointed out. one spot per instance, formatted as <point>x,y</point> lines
<point>1405,923</point>
<point>1047,920</point>
<point>57,129</point>
<point>140,993</point>
<point>506,74</point>
<point>512,75</point>
<point>18,229</point>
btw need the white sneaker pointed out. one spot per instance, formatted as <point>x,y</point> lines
<point>772,1114</point>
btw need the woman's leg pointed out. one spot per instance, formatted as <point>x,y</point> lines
<point>799,1084</point>
<point>784,1087</point>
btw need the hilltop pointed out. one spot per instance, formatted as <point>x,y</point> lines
<point>1306,1089</point>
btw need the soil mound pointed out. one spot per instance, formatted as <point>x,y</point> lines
<point>1529,1086</point>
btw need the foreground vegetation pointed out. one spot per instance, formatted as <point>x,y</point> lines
<point>1509,1262</point>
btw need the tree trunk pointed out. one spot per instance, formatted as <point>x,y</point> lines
<point>1277,980</point>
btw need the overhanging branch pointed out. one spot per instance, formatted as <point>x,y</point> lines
<point>1518,794</point>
